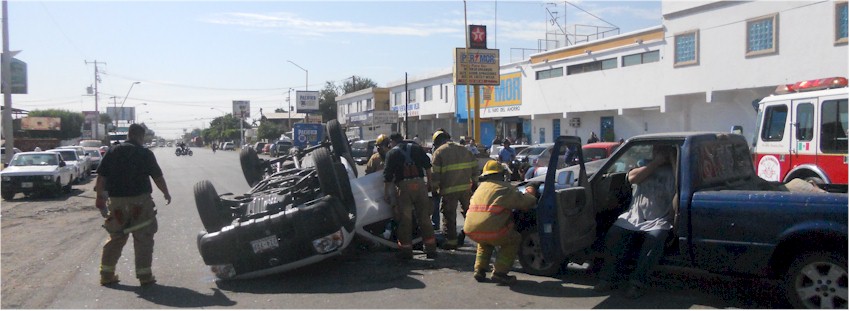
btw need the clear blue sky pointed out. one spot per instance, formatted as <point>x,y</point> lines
<point>193,55</point>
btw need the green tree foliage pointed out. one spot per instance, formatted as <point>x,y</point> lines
<point>72,123</point>
<point>224,128</point>
<point>327,96</point>
<point>357,83</point>
<point>105,119</point>
<point>268,130</point>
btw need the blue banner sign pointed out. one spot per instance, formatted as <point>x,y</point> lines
<point>307,134</point>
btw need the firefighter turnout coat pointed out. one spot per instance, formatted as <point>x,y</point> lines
<point>489,216</point>
<point>453,169</point>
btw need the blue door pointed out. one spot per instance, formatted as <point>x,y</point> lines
<point>606,129</point>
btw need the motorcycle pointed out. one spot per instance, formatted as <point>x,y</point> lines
<point>183,151</point>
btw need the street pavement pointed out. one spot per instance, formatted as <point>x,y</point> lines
<point>363,277</point>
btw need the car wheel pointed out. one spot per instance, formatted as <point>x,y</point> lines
<point>817,280</point>
<point>213,215</point>
<point>328,182</point>
<point>531,255</point>
<point>58,191</point>
<point>250,163</point>
<point>340,143</point>
<point>7,195</point>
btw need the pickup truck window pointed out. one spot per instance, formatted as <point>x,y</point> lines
<point>635,156</point>
<point>723,162</point>
<point>774,124</point>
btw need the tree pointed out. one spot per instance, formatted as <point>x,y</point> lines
<point>327,101</point>
<point>268,130</point>
<point>105,119</point>
<point>224,128</point>
<point>71,124</point>
<point>357,83</point>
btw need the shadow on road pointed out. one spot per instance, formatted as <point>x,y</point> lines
<point>178,297</point>
<point>345,274</point>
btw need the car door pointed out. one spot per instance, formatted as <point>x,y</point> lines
<point>565,217</point>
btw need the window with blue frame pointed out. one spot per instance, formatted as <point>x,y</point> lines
<point>686,48</point>
<point>761,35</point>
<point>841,22</point>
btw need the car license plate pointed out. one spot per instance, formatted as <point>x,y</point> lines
<point>264,244</point>
<point>26,185</point>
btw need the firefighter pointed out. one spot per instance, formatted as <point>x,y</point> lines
<point>124,179</point>
<point>404,169</point>
<point>454,169</point>
<point>489,222</point>
<point>376,162</point>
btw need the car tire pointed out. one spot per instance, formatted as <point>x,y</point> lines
<point>817,280</point>
<point>7,195</point>
<point>339,142</point>
<point>213,215</point>
<point>58,191</point>
<point>531,255</point>
<point>251,169</point>
<point>328,182</point>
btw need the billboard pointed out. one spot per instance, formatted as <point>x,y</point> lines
<point>478,67</point>
<point>307,134</point>
<point>307,101</point>
<point>121,113</point>
<point>241,109</point>
<point>41,123</point>
<point>18,74</point>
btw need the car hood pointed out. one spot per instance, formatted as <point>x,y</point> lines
<point>29,170</point>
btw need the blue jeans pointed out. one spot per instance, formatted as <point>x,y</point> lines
<point>620,244</point>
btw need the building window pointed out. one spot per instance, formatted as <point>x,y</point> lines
<point>841,22</point>
<point>429,93</point>
<point>397,99</point>
<point>761,35</point>
<point>592,66</point>
<point>369,104</point>
<point>441,91</point>
<point>550,73</point>
<point>446,98</point>
<point>411,96</point>
<point>641,58</point>
<point>686,48</point>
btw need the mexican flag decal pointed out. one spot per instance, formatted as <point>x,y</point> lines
<point>803,146</point>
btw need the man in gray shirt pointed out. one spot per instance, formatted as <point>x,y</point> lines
<point>649,218</point>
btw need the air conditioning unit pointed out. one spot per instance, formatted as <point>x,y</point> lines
<point>575,122</point>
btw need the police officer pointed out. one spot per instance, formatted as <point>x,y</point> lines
<point>454,169</point>
<point>404,169</point>
<point>123,179</point>
<point>376,161</point>
<point>489,222</point>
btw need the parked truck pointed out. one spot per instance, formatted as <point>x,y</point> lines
<point>726,219</point>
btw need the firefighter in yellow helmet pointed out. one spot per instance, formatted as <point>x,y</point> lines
<point>453,169</point>
<point>489,222</point>
<point>376,162</point>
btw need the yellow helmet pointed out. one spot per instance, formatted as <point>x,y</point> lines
<point>382,140</point>
<point>492,167</point>
<point>436,134</point>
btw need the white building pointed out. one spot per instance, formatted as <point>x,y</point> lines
<point>701,70</point>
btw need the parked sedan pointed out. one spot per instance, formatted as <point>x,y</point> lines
<point>94,158</point>
<point>72,161</point>
<point>36,172</point>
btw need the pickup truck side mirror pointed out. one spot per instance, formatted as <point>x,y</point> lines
<point>61,163</point>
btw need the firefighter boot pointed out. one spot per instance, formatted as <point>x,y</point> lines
<point>431,251</point>
<point>449,245</point>
<point>480,275</point>
<point>503,278</point>
<point>146,279</point>
<point>108,278</point>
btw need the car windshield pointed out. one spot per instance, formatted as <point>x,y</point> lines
<point>535,151</point>
<point>93,153</point>
<point>34,159</point>
<point>360,144</point>
<point>68,155</point>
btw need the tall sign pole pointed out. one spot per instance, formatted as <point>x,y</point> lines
<point>470,126</point>
<point>7,85</point>
<point>406,103</point>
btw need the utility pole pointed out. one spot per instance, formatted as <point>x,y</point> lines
<point>96,81</point>
<point>7,86</point>
<point>115,112</point>
<point>406,103</point>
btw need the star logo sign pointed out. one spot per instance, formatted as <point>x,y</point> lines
<point>478,34</point>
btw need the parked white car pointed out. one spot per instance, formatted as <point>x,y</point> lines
<point>36,172</point>
<point>72,161</point>
<point>83,158</point>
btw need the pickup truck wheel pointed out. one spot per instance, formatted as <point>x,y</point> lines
<point>57,191</point>
<point>7,195</point>
<point>327,175</point>
<point>249,161</point>
<point>213,215</point>
<point>817,280</point>
<point>531,256</point>
<point>340,143</point>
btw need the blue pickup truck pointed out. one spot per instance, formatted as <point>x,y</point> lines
<point>727,219</point>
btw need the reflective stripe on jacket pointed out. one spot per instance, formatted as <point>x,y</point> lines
<point>453,168</point>
<point>489,216</point>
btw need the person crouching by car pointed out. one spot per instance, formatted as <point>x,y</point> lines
<point>404,186</point>
<point>489,222</point>
<point>376,161</point>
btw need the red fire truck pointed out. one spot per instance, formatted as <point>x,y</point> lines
<point>802,132</point>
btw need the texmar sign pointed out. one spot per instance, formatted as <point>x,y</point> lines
<point>307,101</point>
<point>477,67</point>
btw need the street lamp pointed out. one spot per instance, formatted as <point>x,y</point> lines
<point>306,74</point>
<point>114,104</point>
<point>289,108</point>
